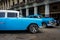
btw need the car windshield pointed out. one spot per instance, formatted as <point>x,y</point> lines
<point>40,16</point>
<point>35,16</point>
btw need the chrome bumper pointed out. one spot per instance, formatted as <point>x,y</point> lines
<point>52,24</point>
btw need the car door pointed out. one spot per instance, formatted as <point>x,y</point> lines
<point>12,22</point>
<point>2,21</point>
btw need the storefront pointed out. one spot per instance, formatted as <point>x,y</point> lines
<point>41,10</point>
<point>49,9</point>
<point>31,11</point>
<point>24,12</point>
<point>55,10</point>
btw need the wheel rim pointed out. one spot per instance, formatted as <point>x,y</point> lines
<point>33,28</point>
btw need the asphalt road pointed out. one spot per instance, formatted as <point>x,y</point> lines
<point>44,34</point>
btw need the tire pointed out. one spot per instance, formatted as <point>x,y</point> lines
<point>33,28</point>
<point>44,25</point>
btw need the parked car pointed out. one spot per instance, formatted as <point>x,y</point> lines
<point>47,21</point>
<point>58,22</point>
<point>10,20</point>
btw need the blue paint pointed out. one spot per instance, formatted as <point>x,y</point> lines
<point>46,20</point>
<point>18,23</point>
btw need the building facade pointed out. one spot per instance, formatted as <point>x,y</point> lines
<point>31,7</point>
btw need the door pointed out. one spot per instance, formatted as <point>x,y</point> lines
<point>12,22</point>
<point>2,21</point>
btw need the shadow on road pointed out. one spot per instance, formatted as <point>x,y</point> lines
<point>51,27</point>
<point>16,32</point>
<point>12,32</point>
<point>20,31</point>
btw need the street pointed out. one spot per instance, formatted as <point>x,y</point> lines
<point>44,34</point>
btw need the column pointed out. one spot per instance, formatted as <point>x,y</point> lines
<point>15,1</point>
<point>7,4</point>
<point>26,1</point>
<point>20,1</point>
<point>0,7</point>
<point>27,12</point>
<point>11,2</point>
<point>47,10</point>
<point>3,5</point>
<point>35,10</point>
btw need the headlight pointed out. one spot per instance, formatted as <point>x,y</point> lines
<point>51,22</point>
<point>55,21</point>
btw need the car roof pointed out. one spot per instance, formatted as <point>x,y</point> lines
<point>35,15</point>
<point>8,11</point>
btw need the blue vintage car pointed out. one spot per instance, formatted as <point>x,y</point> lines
<point>46,21</point>
<point>10,20</point>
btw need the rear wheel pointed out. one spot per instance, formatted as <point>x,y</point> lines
<point>33,28</point>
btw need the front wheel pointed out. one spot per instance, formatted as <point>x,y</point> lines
<point>44,25</point>
<point>33,28</point>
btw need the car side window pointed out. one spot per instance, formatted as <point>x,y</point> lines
<point>31,17</point>
<point>2,14</point>
<point>11,14</point>
<point>35,17</point>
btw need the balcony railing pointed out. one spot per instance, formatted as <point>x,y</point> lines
<point>39,1</point>
<point>53,0</point>
<point>30,1</point>
<point>22,4</point>
<point>15,5</point>
<point>18,5</point>
<point>34,1</point>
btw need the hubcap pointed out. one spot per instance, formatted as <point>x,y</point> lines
<point>33,28</point>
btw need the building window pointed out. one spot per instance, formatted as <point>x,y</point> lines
<point>24,1</point>
<point>24,12</point>
<point>55,7</point>
<point>17,1</point>
<point>13,2</point>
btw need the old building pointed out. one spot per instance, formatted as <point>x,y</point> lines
<point>31,7</point>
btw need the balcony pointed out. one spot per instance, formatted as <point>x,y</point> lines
<point>34,1</point>
<point>2,0</point>
<point>53,0</point>
<point>30,1</point>
<point>22,4</point>
<point>39,1</point>
<point>15,6</point>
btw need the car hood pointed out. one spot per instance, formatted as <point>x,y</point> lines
<point>47,18</point>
